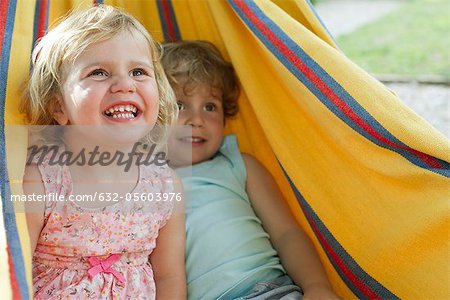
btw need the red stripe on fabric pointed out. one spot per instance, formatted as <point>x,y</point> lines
<point>429,160</point>
<point>12,276</point>
<point>361,286</point>
<point>3,16</point>
<point>169,21</point>
<point>327,91</point>
<point>43,9</point>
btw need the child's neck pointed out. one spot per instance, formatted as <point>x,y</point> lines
<point>108,181</point>
<point>106,168</point>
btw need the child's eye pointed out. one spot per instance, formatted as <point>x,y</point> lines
<point>210,107</point>
<point>138,72</point>
<point>98,72</point>
<point>181,106</point>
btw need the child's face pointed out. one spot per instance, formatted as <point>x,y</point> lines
<point>112,82</point>
<point>202,110</point>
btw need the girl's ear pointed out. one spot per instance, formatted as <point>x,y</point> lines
<point>58,111</point>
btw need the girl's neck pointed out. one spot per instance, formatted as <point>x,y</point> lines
<point>111,179</point>
<point>102,165</point>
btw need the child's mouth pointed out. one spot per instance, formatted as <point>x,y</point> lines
<point>192,139</point>
<point>128,111</point>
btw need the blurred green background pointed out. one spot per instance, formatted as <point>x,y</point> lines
<point>413,40</point>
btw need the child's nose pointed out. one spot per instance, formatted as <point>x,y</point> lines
<point>195,119</point>
<point>123,83</point>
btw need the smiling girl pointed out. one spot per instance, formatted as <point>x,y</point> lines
<point>97,75</point>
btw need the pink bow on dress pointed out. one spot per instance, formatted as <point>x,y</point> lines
<point>99,266</point>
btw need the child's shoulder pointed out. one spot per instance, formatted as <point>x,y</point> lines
<point>159,176</point>
<point>33,186</point>
<point>252,164</point>
<point>257,173</point>
<point>156,170</point>
<point>32,180</point>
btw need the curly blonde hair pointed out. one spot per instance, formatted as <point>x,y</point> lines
<point>201,62</point>
<point>64,43</point>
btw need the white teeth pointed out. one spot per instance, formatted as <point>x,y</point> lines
<point>123,116</point>
<point>192,139</point>
<point>126,111</point>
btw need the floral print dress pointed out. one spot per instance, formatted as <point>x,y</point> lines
<point>99,253</point>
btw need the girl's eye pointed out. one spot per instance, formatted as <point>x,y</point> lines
<point>210,107</point>
<point>181,106</point>
<point>138,72</point>
<point>98,72</point>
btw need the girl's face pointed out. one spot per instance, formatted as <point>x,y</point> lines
<point>111,83</point>
<point>201,112</point>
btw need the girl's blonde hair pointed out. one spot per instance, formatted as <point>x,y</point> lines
<point>63,44</point>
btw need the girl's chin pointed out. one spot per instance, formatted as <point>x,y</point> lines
<point>106,134</point>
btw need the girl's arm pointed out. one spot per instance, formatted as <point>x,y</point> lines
<point>296,251</point>
<point>167,258</point>
<point>32,184</point>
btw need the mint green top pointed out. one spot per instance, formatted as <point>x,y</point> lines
<point>227,249</point>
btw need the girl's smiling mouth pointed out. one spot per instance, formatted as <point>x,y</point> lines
<point>122,111</point>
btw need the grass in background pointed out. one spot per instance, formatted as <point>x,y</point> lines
<point>413,40</point>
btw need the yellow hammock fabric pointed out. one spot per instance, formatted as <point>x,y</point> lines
<point>364,175</point>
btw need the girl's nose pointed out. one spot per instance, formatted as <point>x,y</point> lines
<point>123,84</point>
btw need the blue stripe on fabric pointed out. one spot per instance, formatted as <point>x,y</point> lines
<point>313,9</point>
<point>37,6</point>
<point>37,10</point>
<point>36,24</point>
<point>362,275</point>
<point>162,19</point>
<point>174,21</point>
<point>9,218</point>
<point>164,25</point>
<point>333,85</point>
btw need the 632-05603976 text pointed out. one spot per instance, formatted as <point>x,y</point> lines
<point>102,197</point>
